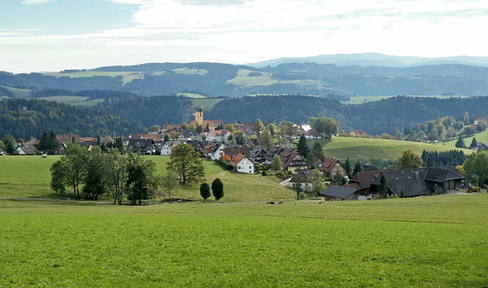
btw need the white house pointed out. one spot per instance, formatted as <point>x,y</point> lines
<point>218,136</point>
<point>242,164</point>
<point>166,149</point>
<point>217,152</point>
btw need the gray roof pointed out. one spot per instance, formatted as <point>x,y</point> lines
<point>338,191</point>
<point>411,180</point>
<point>442,174</point>
<point>188,133</point>
<point>301,176</point>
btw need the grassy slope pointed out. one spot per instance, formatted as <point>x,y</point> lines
<point>363,99</point>
<point>481,137</point>
<point>375,149</point>
<point>128,76</point>
<point>19,93</point>
<point>29,176</point>
<point>256,245</point>
<point>73,100</point>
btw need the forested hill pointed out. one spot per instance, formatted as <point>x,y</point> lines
<point>148,111</point>
<point>290,78</point>
<point>25,118</point>
<point>373,117</point>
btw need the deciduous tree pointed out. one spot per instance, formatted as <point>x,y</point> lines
<point>170,183</point>
<point>266,140</point>
<point>185,161</point>
<point>476,167</point>
<point>141,183</point>
<point>154,128</point>
<point>276,163</point>
<point>319,152</point>
<point>409,160</point>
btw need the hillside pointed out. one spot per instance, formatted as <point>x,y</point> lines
<point>25,118</point>
<point>373,117</point>
<point>216,79</point>
<point>376,149</point>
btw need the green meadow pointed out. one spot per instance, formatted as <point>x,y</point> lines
<point>365,99</point>
<point>420,242</point>
<point>29,176</point>
<point>376,149</point>
<point>480,137</point>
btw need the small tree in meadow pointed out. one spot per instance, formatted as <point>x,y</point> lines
<point>402,193</point>
<point>218,189</point>
<point>205,191</point>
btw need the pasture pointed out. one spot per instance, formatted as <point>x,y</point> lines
<point>376,149</point>
<point>19,93</point>
<point>365,99</point>
<point>420,242</point>
<point>29,176</point>
<point>480,137</point>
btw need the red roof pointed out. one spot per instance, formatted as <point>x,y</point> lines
<point>328,164</point>
<point>238,159</point>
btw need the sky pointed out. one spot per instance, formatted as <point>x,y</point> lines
<point>53,35</point>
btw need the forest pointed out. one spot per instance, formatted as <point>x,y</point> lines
<point>374,117</point>
<point>25,118</point>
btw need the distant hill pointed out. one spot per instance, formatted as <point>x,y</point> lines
<point>374,117</point>
<point>375,59</point>
<point>25,118</point>
<point>310,78</point>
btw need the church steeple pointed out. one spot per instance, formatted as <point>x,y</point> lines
<point>199,115</point>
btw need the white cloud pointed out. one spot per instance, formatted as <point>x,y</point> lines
<point>29,2</point>
<point>241,31</point>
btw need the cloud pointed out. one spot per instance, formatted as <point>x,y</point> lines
<point>30,2</point>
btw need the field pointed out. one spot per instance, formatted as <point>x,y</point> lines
<point>376,149</point>
<point>364,99</point>
<point>29,176</point>
<point>127,76</point>
<point>19,93</point>
<point>422,242</point>
<point>481,137</point>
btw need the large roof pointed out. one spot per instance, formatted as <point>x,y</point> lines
<point>238,159</point>
<point>328,164</point>
<point>442,174</point>
<point>338,191</point>
<point>364,179</point>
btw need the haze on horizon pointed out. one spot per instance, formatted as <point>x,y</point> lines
<point>53,35</point>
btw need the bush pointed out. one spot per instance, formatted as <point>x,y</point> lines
<point>263,173</point>
<point>302,196</point>
<point>280,174</point>
<point>475,189</point>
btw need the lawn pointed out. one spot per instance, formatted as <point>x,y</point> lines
<point>29,176</point>
<point>384,243</point>
<point>375,149</point>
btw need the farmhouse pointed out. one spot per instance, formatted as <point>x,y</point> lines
<point>332,166</point>
<point>423,181</point>
<point>340,192</point>
<point>146,146</point>
<point>243,164</point>
<point>289,158</point>
<point>166,148</point>
<point>233,151</point>
<point>302,180</point>
<point>189,135</point>
<point>25,149</point>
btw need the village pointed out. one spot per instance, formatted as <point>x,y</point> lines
<point>252,149</point>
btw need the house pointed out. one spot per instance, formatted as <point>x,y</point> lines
<point>361,181</point>
<point>479,121</point>
<point>166,148</point>
<point>249,143</point>
<point>340,192</point>
<point>214,150</point>
<point>289,158</point>
<point>212,124</point>
<point>198,145</point>
<point>218,136</point>
<point>242,164</point>
<point>422,181</point>
<point>257,154</point>
<point>302,179</point>
<point>87,145</point>
<point>482,147</point>
<point>146,146</point>
<point>156,139</point>
<point>332,166</point>
<point>233,151</point>
<point>68,138</point>
<point>25,149</point>
<point>189,135</point>
<point>87,139</point>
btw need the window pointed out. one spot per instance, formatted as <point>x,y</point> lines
<point>249,167</point>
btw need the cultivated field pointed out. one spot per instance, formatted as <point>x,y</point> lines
<point>19,93</point>
<point>29,176</point>
<point>422,242</point>
<point>376,149</point>
<point>364,99</point>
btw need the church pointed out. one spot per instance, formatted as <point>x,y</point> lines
<point>212,124</point>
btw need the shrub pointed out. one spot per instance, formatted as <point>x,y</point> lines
<point>302,196</point>
<point>280,174</point>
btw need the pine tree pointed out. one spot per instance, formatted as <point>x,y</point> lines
<point>205,190</point>
<point>347,166</point>
<point>53,142</point>
<point>357,168</point>
<point>383,187</point>
<point>430,162</point>
<point>217,189</point>
<point>460,142</point>
<point>402,193</point>
<point>44,142</point>
<point>302,148</point>
<point>319,152</point>
<point>474,143</point>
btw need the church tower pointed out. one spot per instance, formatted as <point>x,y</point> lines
<point>199,115</point>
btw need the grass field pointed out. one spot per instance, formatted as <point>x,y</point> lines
<point>29,176</point>
<point>19,93</point>
<point>364,99</point>
<point>191,95</point>
<point>73,100</point>
<point>421,242</point>
<point>376,149</point>
<point>480,137</point>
